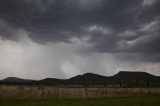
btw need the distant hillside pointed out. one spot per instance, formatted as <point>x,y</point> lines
<point>121,79</point>
<point>133,79</point>
<point>88,78</point>
<point>128,76</point>
<point>14,79</point>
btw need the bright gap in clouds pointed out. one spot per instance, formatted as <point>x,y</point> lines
<point>149,2</point>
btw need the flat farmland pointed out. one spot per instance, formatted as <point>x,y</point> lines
<point>109,101</point>
<point>50,92</point>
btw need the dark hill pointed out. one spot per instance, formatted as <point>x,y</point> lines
<point>134,79</point>
<point>88,78</point>
<point>128,79</point>
<point>51,81</point>
<point>17,81</point>
<point>14,79</point>
<point>128,76</point>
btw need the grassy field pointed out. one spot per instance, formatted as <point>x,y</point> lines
<point>44,92</point>
<point>54,96</point>
<point>110,101</point>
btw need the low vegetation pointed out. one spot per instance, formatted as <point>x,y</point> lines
<point>49,92</point>
<point>122,89</point>
<point>112,101</point>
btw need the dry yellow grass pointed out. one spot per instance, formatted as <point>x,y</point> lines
<point>46,92</point>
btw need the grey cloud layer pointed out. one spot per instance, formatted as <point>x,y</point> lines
<point>130,27</point>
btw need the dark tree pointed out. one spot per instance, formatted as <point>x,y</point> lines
<point>105,84</point>
<point>148,83</point>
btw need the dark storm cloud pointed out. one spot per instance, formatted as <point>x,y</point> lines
<point>48,20</point>
<point>60,20</point>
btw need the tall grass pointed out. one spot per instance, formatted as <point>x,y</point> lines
<point>48,92</point>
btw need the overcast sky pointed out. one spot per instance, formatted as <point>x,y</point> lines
<point>63,38</point>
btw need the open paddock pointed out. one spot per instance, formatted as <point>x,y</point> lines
<point>52,92</point>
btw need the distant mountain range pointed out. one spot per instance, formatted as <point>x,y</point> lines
<point>121,79</point>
